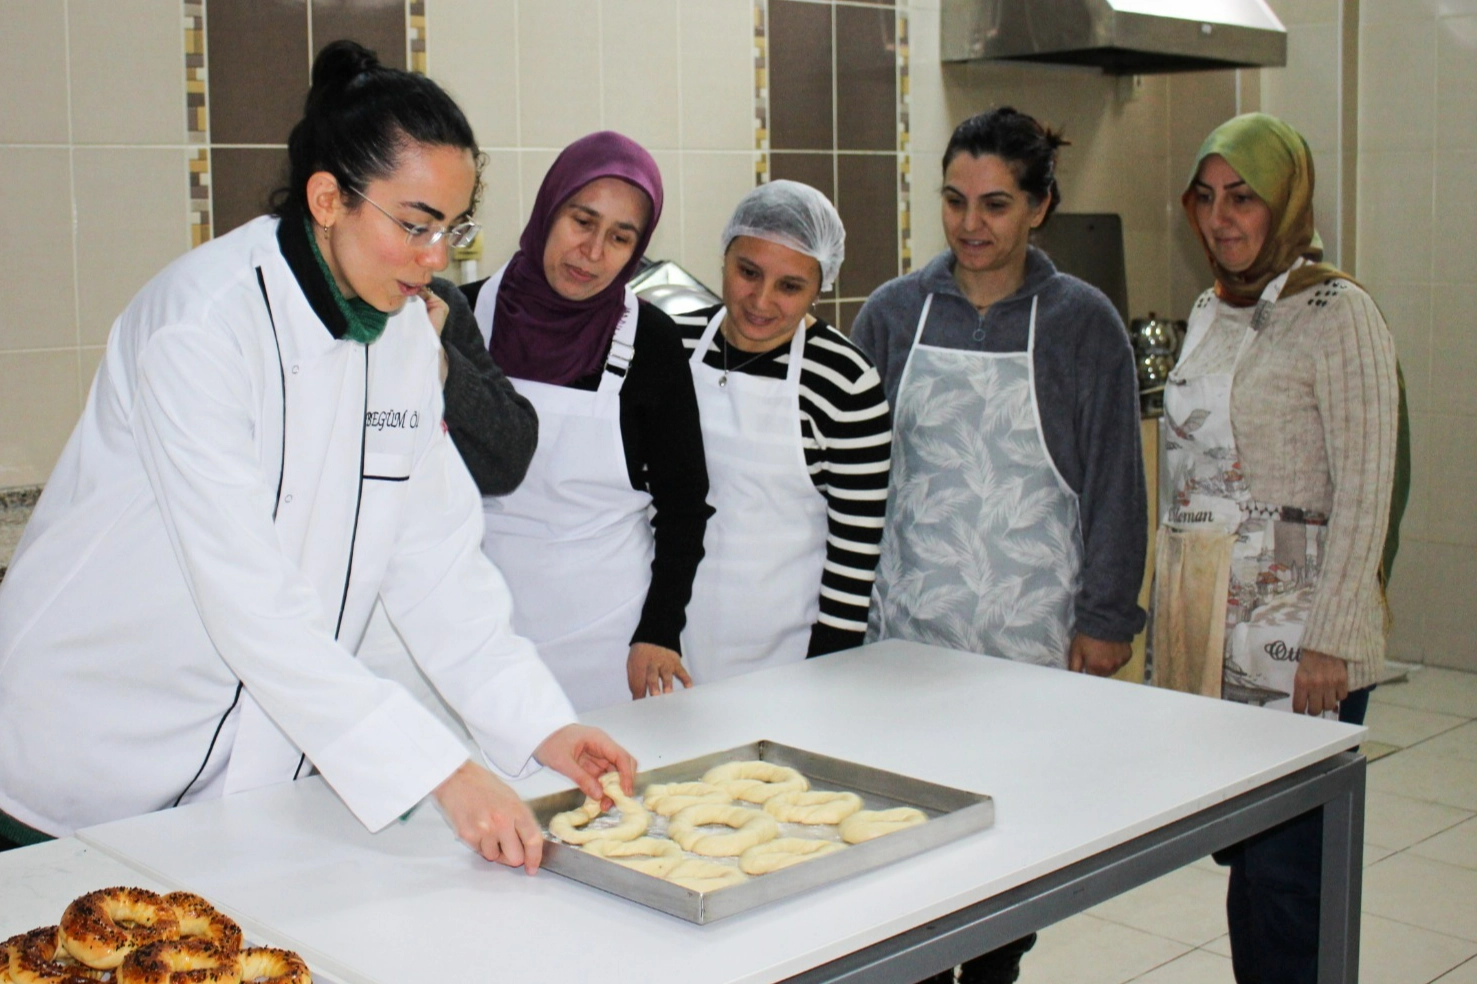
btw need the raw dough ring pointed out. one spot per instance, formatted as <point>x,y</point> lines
<point>648,855</point>
<point>634,819</point>
<point>783,852</point>
<point>705,876</point>
<point>756,782</point>
<point>813,807</point>
<point>671,797</point>
<point>750,827</point>
<point>867,824</point>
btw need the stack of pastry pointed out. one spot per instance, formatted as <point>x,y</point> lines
<point>134,936</point>
<point>694,809</point>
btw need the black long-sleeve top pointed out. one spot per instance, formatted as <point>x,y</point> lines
<point>662,437</point>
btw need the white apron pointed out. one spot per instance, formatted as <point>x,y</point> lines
<point>982,548</point>
<point>1268,556</point>
<point>757,591</point>
<point>574,541</point>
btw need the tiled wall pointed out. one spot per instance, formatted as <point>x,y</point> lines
<point>1417,217</point>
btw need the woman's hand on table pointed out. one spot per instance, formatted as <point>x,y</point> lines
<point>584,754</point>
<point>1097,656</point>
<point>1321,682</point>
<point>486,814</point>
<point>652,670</point>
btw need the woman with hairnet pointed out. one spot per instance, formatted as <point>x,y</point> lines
<point>797,435</point>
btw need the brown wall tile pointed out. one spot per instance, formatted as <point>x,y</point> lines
<point>377,25</point>
<point>243,178</point>
<point>826,311</point>
<point>849,310</point>
<point>800,76</point>
<point>866,78</point>
<point>867,200</point>
<point>259,69</point>
<point>816,170</point>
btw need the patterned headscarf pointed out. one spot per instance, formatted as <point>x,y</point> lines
<point>1274,160</point>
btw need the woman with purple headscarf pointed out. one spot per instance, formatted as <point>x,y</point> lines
<point>600,542</point>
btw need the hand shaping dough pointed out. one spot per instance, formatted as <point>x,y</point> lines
<point>705,876</point>
<point>648,855</point>
<point>867,824</point>
<point>783,852</point>
<point>670,797</point>
<point>634,819</point>
<point>814,807</point>
<point>756,782</point>
<point>750,827</point>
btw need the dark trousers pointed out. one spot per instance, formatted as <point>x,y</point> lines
<point>1272,904</point>
<point>1002,966</point>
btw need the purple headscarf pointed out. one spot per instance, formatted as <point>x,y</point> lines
<point>538,334</point>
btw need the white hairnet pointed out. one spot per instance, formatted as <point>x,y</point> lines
<point>794,215</point>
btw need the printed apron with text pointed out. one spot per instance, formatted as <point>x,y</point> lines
<point>1234,578</point>
<point>573,541</point>
<point>757,590</point>
<point>982,548</point>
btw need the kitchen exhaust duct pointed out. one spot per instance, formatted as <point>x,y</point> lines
<point>1122,37</point>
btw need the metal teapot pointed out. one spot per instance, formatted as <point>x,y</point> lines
<point>1156,348</point>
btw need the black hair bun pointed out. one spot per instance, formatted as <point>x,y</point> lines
<point>340,63</point>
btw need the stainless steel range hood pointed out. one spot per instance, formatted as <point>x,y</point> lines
<point>1122,37</point>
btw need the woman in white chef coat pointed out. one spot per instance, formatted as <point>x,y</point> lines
<point>261,457</point>
<point>797,436</point>
<point>600,541</point>
<point>1283,452</point>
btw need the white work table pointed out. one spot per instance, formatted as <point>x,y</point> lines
<point>1098,786</point>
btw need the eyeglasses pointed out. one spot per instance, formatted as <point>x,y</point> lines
<point>425,236</point>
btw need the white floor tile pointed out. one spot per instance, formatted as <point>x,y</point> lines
<point>1457,845</point>
<point>1425,775</point>
<point>1396,953</point>
<point>1374,854</point>
<point>1221,945</point>
<point>1087,950</point>
<point>1393,724</point>
<point>1195,967</point>
<point>1396,822</point>
<point>1188,905</point>
<point>1418,892</point>
<point>1433,689</point>
<point>1465,974</point>
<point>1458,743</point>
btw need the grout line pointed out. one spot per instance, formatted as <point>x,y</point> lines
<point>72,192</point>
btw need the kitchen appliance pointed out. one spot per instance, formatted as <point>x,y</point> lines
<point>670,288</point>
<point>1122,37</point>
<point>1156,348</point>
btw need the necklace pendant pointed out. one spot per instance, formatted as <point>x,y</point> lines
<point>723,381</point>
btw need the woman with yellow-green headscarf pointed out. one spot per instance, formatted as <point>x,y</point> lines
<point>1281,444</point>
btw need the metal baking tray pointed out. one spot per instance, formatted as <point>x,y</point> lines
<point>953,813</point>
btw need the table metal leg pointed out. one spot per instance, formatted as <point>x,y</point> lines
<point>1343,881</point>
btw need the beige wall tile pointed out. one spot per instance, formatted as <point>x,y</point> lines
<point>712,184</point>
<point>1456,216</point>
<point>928,225</point>
<point>36,250</point>
<point>1448,634</point>
<point>89,357</point>
<point>128,74</point>
<point>1397,85</point>
<point>501,210</point>
<point>131,222</point>
<point>532,166</point>
<point>717,72</point>
<point>1453,509</point>
<point>1456,82</point>
<point>472,50</point>
<point>558,71</point>
<point>930,124</point>
<point>1387,11</point>
<point>641,62</point>
<point>35,65</point>
<point>1454,348</point>
<point>1305,93</point>
<point>1424,437</point>
<point>39,388</point>
<point>666,242</point>
<point>1292,12</point>
<point>1395,216</point>
<point>1146,256</point>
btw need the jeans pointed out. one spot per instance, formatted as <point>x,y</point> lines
<point>1272,903</point>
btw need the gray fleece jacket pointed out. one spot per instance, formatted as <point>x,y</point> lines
<point>1087,392</point>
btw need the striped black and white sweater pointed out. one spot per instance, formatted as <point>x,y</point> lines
<point>846,431</point>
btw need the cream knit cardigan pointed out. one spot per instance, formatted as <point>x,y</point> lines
<point>1314,408</point>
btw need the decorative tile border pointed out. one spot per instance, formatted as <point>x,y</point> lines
<point>904,157</point>
<point>197,124</point>
<point>761,91</point>
<point>415,35</point>
<point>201,228</point>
